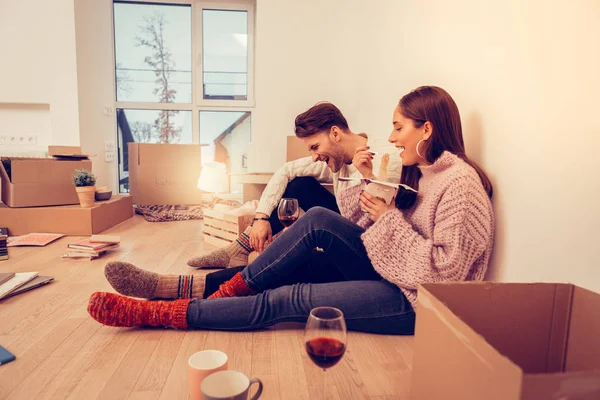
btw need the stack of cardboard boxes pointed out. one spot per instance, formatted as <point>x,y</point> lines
<point>38,195</point>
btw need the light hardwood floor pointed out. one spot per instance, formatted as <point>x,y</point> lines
<point>64,354</point>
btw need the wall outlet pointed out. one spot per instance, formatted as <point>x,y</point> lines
<point>17,140</point>
<point>109,156</point>
<point>109,146</point>
<point>108,111</point>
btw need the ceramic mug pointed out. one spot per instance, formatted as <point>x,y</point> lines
<point>202,364</point>
<point>229,385</point>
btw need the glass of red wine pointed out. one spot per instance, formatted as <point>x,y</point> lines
<point>288,212</point>
<point>325,336</point>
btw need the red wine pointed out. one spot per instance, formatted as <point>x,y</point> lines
<point>325,352</point>
<point>287,221</point>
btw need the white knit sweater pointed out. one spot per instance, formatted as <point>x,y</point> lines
<point>321,172</point>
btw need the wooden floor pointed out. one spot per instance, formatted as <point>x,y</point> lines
<point>63,353</point>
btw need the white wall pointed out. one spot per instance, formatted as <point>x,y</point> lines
<point>524,75</point>
<point>37,41</point>
<point>95,70</point>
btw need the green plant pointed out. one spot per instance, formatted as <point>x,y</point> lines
<point>81,177</point>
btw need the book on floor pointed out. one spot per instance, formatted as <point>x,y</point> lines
<point>105,239</point>
<point>16,281</point>
<point>88,245</point>
<point>35,283</point>
<point>94,247</point>
<point>3,248</point>
<point>6,276</point>
<point>34,239</point>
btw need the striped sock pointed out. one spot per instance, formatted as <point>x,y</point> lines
<point>130,280</point>
<point>244,241</point>
<point>184,287</point>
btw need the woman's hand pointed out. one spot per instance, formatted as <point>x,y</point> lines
<point>373,205</point>
<point>363,161</point>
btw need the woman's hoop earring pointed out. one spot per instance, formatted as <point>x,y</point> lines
<point>418,143</point>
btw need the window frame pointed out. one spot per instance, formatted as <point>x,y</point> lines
<point>198,102</point>
<point>197,68</point>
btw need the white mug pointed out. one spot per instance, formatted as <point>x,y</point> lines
<point>201,365</point>
<point>229,385</point>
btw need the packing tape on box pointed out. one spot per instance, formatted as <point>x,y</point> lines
<point>425,302</point>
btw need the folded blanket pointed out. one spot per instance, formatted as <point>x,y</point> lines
<point>179,212</point>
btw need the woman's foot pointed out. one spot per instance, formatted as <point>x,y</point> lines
<point>232,255</point>
<point>235,287</point>
<point>129,280</point>
<point>115,310</point>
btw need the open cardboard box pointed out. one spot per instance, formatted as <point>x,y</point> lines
<point>70,220</point>
<point>33,182</point>
<point>506,341</point>
<point>164,173</point>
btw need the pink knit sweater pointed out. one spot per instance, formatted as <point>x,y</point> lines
<point>446,236</point>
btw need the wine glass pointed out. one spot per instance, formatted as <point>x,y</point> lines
<point>325,336</point>
<point>288,212</point>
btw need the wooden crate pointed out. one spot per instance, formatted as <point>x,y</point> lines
<point>220,228</point>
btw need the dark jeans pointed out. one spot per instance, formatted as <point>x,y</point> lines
<point>309,193</point>
<point>292,278</point>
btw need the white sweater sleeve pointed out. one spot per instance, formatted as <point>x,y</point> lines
<point>290,170</point>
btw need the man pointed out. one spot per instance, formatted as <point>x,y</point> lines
<point>337,152</point>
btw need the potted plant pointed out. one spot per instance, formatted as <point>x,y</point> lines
<point>84,182</point>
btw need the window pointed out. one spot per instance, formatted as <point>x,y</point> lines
<point>184,74</point>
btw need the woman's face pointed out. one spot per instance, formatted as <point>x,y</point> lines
<point>405,137</point>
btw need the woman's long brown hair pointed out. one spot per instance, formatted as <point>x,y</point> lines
<point>434,104</point>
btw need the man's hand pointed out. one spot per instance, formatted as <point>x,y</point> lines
<point>363,161</point>
<point>374,206</point>
<point>261,234</point>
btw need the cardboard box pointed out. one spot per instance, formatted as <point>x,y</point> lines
<point>33,182</point>
<point>70,220</point>
<point>296,149</point>
<point>506,341</point>
<point>164,173</point>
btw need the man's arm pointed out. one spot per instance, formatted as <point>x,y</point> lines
<point>284,175</point>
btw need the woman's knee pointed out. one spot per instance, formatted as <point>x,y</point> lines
<point>321,214</point>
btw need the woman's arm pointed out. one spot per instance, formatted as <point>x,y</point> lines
<point>462,233</point>
<point>350,206</point>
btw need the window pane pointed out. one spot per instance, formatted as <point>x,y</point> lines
<point>153,52</point>
<point>149,126</point>
<point>225,54</point>
<point>225,136</point>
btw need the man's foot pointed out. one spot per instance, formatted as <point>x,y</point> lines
<point>115,310</point>
<point>232,255</point>
<point>130,280</point>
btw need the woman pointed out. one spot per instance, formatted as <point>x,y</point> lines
<point>446,235</point>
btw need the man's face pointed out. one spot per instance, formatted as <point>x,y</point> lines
<point>323,148</point>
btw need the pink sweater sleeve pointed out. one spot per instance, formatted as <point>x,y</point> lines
<point>350,207</point>
<point>462,232</point>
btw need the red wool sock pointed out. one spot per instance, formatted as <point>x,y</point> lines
<point>116,310</point>
<point>235,287</point>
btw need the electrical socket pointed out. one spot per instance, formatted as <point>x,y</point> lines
<point>16,140</point>
<point>109,146</point>
<point>107,110</point>
<point>109,156</point>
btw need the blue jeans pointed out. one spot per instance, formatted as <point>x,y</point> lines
<point>369,303</point>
